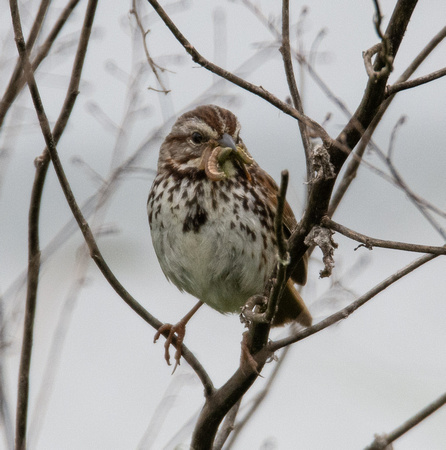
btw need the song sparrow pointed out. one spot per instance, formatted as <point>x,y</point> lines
<point>211,213</point>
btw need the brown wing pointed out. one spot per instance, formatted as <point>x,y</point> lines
<point>291,306</point>
<point>299,274</point>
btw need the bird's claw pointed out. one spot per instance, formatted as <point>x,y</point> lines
<point>169,331</point>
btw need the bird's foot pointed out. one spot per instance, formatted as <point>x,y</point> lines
<point>169,331</point>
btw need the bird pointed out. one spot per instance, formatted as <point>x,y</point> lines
<point>211,211</point>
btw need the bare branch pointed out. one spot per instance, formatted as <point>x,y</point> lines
<point>16,82</point>
<point>397,87</point>
<point>321,190</point>
<point>374,74</point>
<point>382,441</point>
<point>369,242</point>
<point>384,39</point>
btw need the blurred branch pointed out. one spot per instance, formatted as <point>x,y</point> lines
<point>285,50</point>
<point>6,414</point>
<point>369,242</point>
<point>388,67</point>
<point>382,441</point>
<point>345,312</point>
<point>419,203</point>
<point>397,87</point>
<point>18,80</point>
<point>257,90</point>
<point>269,24</point>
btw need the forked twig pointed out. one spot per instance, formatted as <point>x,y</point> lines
<point>398,87</point>
<point>369,242</point>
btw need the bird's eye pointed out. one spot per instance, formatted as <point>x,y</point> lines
<point>197,138</point>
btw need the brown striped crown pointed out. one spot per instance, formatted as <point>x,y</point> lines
<point>182,148</point>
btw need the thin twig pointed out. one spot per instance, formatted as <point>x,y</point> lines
<point>397,87</point>
<point>374,242</point>
<point>399,123</point>
<point>344,313</point>
<point>282,248</point>
<point>382,441</point>
<point>384,39</point>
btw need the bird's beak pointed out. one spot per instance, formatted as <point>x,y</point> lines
<point>218,162</point>
<point>227,142</point>
<point>229,149</point>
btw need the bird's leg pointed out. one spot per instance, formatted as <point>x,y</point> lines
<point>180,330</point>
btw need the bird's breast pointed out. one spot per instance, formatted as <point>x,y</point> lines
<point>214,240</point>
